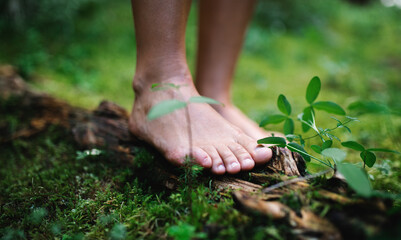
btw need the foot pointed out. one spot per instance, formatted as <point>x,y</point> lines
<point>216,144</point>
<point>233,115</point>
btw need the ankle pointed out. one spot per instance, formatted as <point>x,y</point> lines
<point>170,73</point>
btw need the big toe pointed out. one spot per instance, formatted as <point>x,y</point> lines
<point>260,154</point>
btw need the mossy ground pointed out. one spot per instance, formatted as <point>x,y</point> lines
<point>48,191</point>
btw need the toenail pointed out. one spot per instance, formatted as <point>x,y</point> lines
<point>261,149</point>
<point>234,165</point>
<point>220,168</point>
<point>248,162</point>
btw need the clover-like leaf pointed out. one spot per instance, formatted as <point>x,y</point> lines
<point>382,150</point>
<point>364,107</point>
<point>329,107</point>
<point>202,99</point>
<point>283,105</point>
<point>327,144</point>
<point>368,158</point>
<point>288,126</point>
<point>272,119</point>
<point>295,147</point>
<point>165,107</point>
<point>279,141</point>
<point>316,149</point>
<point>313,89</point>
<point>356,178</point>
<point>336,154</point>
<point>353,145</point>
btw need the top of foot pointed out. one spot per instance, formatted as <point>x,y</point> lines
<point>216,143</point>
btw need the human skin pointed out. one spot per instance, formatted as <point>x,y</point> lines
<point>216,143</point>
<point>222,27</point>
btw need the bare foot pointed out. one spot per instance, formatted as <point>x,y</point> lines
<point>239,119</point>
<point>217,144</point>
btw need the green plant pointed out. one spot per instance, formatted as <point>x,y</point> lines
<point>332,157</point>
<point>191,170</point>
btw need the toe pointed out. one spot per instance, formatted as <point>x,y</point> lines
<point>202,158</point>
<point>230,161</point>
<point>217,162</point>
<point>259,153</point>
<point>176,156</point>
<point>244,158</point>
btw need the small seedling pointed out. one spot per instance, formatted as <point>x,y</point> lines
<point>169,106</point>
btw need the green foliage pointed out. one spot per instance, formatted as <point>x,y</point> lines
<point>165,107</point>
<point>298,148</point>
<point>184,232</point>
<point>279,141</point>
<point>308,121</point>
<point>37,215</point>
<point>329,107</point>
<point>313,89</point>
<point>353,145</point>
<point>272,119</point>
<point>336,154</point>
<point>283,105</point>
<point>169,106</point>
<point>202,99</point>
<point>368,158</point>
<point>356,177</point>
<point>119,231</point>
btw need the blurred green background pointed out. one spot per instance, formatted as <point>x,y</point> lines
<point>83,51</point>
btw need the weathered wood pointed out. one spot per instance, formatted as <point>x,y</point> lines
<point>306,223</point>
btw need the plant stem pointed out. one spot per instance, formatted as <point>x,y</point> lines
<point>189,131</point>
<point>328,130</point>
<point>317,159</point>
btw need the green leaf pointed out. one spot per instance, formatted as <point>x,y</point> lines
<point>182,232</point>
<point>353,145</point>
<point>369,158</point>
<point>165,107</point>
<point>288,126</point>
<point>313,89</point>
<point>298,148</point>
<point>327,144</point>
<point>272,119</point>
<point>283,105</point>
<point>347,128</point>
<point>382,150</point>
<point>279,141</point>
<point>307,116</point>
<point>336,154</point>
<point>369,107</point>
<point>356,179</point>
<point>316,149</point>
<point>329,107</point>
<point>119,231</point>
<point>202,99</point>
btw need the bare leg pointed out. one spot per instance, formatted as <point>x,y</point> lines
<point>160,35</point>
<point>221,32</point>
